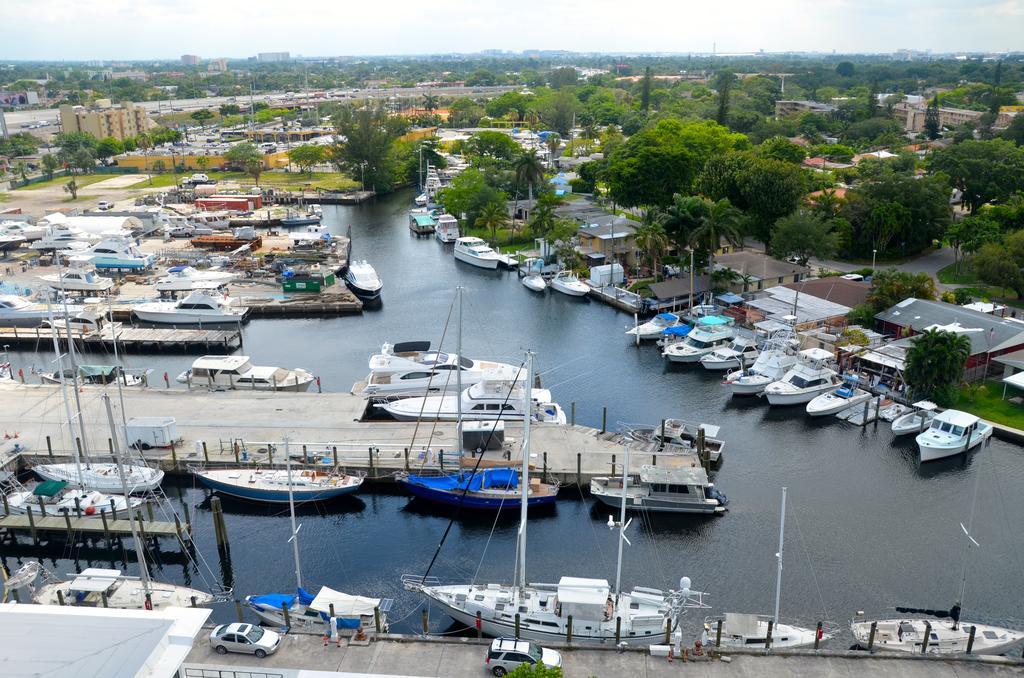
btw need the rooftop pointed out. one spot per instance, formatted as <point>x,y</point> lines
<point>988,333</point>
<point>835,289</point>
<point>759,265</point>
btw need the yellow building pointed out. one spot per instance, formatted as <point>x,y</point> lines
<point>194,162</point>
<point>105,120</point>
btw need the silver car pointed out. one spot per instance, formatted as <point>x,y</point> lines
<point>506,654</point>
<point>245,638</point>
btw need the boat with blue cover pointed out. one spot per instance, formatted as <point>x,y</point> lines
<point>489,488</point>
<point>307,612</point>
<point>273,486</point>
<point>656,326</point>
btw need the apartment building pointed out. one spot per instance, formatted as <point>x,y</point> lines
<point>106,120</point>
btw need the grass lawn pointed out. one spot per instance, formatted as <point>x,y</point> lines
<point>506,242</point>
<point>948,275</point>
<point>989,404</point>
<point>81,180</point>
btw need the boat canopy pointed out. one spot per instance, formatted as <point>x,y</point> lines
<point>98,370</point>
<point>49,488</point>
<point>677,331</point>
<point>671,317</point>
<point>686,475</point>
<point>714,320</point>
<point>177,269</point>
<point>730,298</point>
<point>345,605</point>
<point>424,220</point>
<point>275,600</point>
<point>492,478</point>
<point>925,405</point>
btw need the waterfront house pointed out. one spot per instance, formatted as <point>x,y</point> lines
<point>761,270</point>
<point>608,238</point>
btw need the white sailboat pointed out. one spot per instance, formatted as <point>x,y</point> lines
<point>544,609</point>
<point>751,630</point>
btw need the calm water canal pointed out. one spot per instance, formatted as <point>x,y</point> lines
<point>867,527</point>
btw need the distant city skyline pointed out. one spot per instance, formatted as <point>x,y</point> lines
<point>165,29</point>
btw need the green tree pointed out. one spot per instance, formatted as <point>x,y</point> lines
<point>202,116</point>
<point>780,148</point>
<point>492,145</point>
<point>803,235</point>
<point>651,239</point>
<point>995,266</point>
<point>559,110</point>
<point>431,103</point>
<point>229,109</point>
<point>21,169</point>
<point>109,147</point>
<point>681,217</point>
<point>247,157</point>
<point>529,171</point>
<point>719,221</point>
<point>493,216</point>
<point>1015,130</point>
<point>307,156</point>
<point>890,287</point>
<point>553,142</point>
<point>51,163</point>
<point>723,84</point>
<point>159,167</point>
<point>931,119</point>
<point>645,90</point>
<point>985,171</point>
<point>202,162</point>
<point>366,138</point>
<point>72,188</point>
<point>84,160</point>
<point>563,77</point>
<point>845,69</point>
<point>935,364</point>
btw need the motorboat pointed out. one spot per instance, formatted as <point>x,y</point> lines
<point>412,368</point>
<point>950,433</point>
<point>476,252</point>
<point>535,283</point>
<point>653,328</point>
<point>421,222</point>
<point>491,489</point>
<point>187,278</point>
<point>709,333</point>
<point>78,280</point>
<point>946,635</point>
<point>274,485</point>
<point>663,489</point>
<point>838,400</point>
<point>20,312</point>
<point>10,242</point>
<point>93,375</point>
<point>487,400</point>
<point>197,308</point>
<point>96,587</point>
<point>114,253</point>
<point>207,222</point>
<point>916,420</point>
<point>812,375</point>
<point>741,352</point>
<point>237,372</point>
<point>680,433</point>
<point>311,614</point>
<point>776,358</point>
<point>363,280</point>
<point>64,237</point>
<point>311,237</point>
<point>293,219</point>
<point>446,229</point>
<point>566,282</point>
<point>103,477</point>
<point>421,200</point>
<point>29,232</point>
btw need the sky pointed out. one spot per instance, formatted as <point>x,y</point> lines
<point>162,29</point>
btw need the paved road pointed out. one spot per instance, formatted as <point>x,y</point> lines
<point>465,657</point>
<point>929,263</point>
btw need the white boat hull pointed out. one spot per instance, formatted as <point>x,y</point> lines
<point>103,477</point>
<point>489,264</point>
<point>828,403</point>
<point>988,639</point>
<point>911,422</point>
<point>687,357</point>
<point>186,318</point>
<point>579,290</point>
<point>796,397</point>
<point>931,452</point>
<point>128,596</point>
<point>534,283</point>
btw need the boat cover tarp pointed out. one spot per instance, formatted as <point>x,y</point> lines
<point>677,331</point>
<point>49,488</point>
<point>423,220</point>
<point>305,597</point>
<point>486,479</point>
<point>274,600</point>
<point>97,370</point>
<point>672,317</point>
<point>714,320</point>
<point>730,298</point>
<point>344,604</point>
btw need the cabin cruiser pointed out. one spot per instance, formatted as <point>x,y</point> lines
<point>709,333</point>
<point>421,222</point>
<point>664,489</point>
<point>950,433</point>
<point>421,200</point>
<point>838,400</point>
<point>20,312</point>
<point>114,253</point>
<point>96,587</point>
<point>91,375</point>
<point>10,242</point>
<point>77,279</point>
<point>196,309</point>
<point>363,280</point>
<point>63,237</point>
<point>412,368</point>
<point>490,399</point>
<point>946,635</point>
<point>238,372</point>
<point>27,231</point>
<point>811,376</point>
<point>566,282</point>
<point>740,353</point>
<point>476,252</point>
<point>187,278</point>
<point>916,420</point>
<point>210,221</point>
<point>776,358</point>
<point>653,328</point>
<point>447,228</point>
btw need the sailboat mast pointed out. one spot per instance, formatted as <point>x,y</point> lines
<point>74,368</point>
<point>524,474</point>
<point>291,509</point>
<point>622,524</point>
<point>458,372</point>
<point>64,389</point>
<point>778,556</point>
<point>116,442</point>
<point>970,541</point>
<point>117,361</point>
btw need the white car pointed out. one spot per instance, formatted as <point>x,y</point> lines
<point>244,638</point>
<point>105,205</point>
<point>507,654</point>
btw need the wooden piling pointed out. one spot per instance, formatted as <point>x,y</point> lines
<point>572,417</point>
<point>206,455</point>
<point>238,611</point>
<point>149,511</point>
<point>60,597</point>
<point>7,508</point>
<point>370,455</point>
<point>406,458</point>
<point>78,444</point>
<point>236,450</point>
<point>668,631</point>
<point>579,469</point>
<point>78,508</point>
<point>613,464</point>
<point>103,598</point>
<point>425,622</point>
<point>927,637</point>
<point>568,630</point>
<point>970,638</point>
<point>718,634</point>
<point>871,635</point>
<point>270,454</point>
<point>661,443</point>
<point>49,447</point>
<point>517,625</point>
<point>604,419</point>
<point>544,474</point>
<point>32,525</point>
<point>867,408</point>
<point>331,608</point>
<point>618,629</point>
<point>287,617</point>
<point>67,522</point>
<point>376,620</point>
<point>142,528</point>
<point>768,636</point>
<point>817,636</point>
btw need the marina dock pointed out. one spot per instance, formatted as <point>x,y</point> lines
<point>135,339</point>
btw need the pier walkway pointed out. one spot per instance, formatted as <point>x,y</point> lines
<point>411,656</point>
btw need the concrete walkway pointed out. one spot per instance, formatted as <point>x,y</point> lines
<point>465,657</point>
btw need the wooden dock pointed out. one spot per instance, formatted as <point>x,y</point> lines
<point>71,525</point>
<point>136,339</point>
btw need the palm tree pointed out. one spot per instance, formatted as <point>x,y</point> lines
<point>681,217</point>
<point>826,204</point>
<point>719,221</point>
<point>935,364</point>
<point>493,216</point>
<point>542,218</point>
<point>531,117</point>
<point>430,103</point>
<point>21,169</point>
<point>553,142</point>
<point>651,238</point>
<point>528,170</point>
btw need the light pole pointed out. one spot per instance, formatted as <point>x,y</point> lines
<point>873,254</point>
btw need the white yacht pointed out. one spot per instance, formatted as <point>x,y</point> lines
<point>114,253</point>
<point>838,399</point>
<point>916,420</point>
<point>29,232</point>
<point>212,221</point>
<point>812,375</point>
<point>710,332</point>
<point>741,352</point>
<point>20,312</point>
<point>238,372</point>
<point>487,400</point>
<point>447,228</point>
<point>476,252</point>
<point>187,278</point>
<point>412,368</point>
<point>684,489</point>
<point>950,433</point>
<point>10,242</point>
<point>421,200</point>
<point>566,282</point>
<point>96,587</point>
<point>63,237</point>
<point>776,358</point>
<point>195,309</point>
<point>653,328</point>
<point>363,280</point>
<point>77,279</point>
<point>945,635</point>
